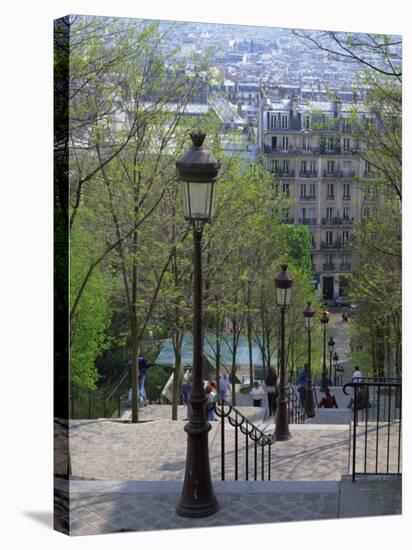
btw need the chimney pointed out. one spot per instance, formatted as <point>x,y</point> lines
<point>294,101</point>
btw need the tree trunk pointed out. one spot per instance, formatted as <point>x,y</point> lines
<point>250,348</point>
<point>177,378</point>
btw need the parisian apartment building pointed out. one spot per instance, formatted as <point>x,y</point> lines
<point>310,148</point>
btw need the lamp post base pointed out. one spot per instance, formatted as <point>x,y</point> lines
<point>282,432</point>
<point>197,499</point>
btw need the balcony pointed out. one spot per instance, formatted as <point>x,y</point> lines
<point>307,198</point>
<point>345,267</point>
<point>328,267</point>
<point>330,197</point>
<point>304,174</point>
<point>339,174</point>
<point>336,151</point>
<point>309,151</point>
<point>337,221</point>
<point>307,221</point>
<point>367,174</point>
<point>346,197</point>
<point>335,244</point>
<point>279,150</point>
<point>282,174</point>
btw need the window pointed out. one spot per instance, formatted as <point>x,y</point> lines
<point>331,167</point>
<point>330,145</point>
<point>312,191</point>
<point>329,237</point>
<point>286,167</point>
<point>346,213</point>
<point>306,144</point>
<point>285,121</point>
<point>328,259</point>
<point>345,237</point>
<point>329,213</point>
<point>308,214</point>
<point>330,191</point>
<point>346,125</point>
<point>346,145</point>
<point>285,214</point>
<point>286,189</point>
<point>285,143</point>
<point>303,166</point>
<point>303,190</point>
<point>274,143</point>
<point>347,167</point>
<point>306,122</point>
<point>346,190</point>
<point>275,166</point>
<point>312,167</point>
<point>366,212</point>
<point>273,120</point>
<point>367,167</point>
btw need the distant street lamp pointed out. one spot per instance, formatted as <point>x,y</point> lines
<point>308,313</point>
<point>283,282</point>
<point>198,171</point>
<point>331,345</point>
<point>336,364</point>
<point>324,321</point>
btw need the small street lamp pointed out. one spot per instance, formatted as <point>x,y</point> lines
<point>283,282</point>
<point>324,321</point>
<point>336,364</point>
<point>198,171</point>
<point>308,313</point>
<point>331,345</point>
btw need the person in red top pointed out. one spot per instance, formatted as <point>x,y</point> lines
<point>328,400</point>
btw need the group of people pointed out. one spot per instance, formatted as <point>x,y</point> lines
<point>212,392</point>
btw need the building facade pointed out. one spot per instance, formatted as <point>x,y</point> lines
<point>310,148</point>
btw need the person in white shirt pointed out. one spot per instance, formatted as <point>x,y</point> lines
<point>257,393</point>
<point>356,377</point>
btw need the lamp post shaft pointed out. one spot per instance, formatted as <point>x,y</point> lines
<point>197,498</point>
<point>324,383</point>
<point>309,405</point>
<point>282,424</point>
<point>330,367</point>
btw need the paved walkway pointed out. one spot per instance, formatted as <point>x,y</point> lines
<point>109,507</point>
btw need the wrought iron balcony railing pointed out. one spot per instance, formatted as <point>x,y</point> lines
<point>308,174</point>
<point>345,267</point>
<point>307,197</point>
<point>307,221</point>
<point>283,174</point>
<point>337,221</point>
<point>328,267</point>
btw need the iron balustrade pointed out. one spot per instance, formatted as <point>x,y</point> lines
<point>338,221</point>
<point>307,198</point>
<point>252,435</point>
<point>328,267</point>
<point>256,442</point>
<point>377,426</point>
<point>307,221</point>
<point>345,266</point>
<point>283,174</point>
<point>87,403</point>
<point>308,174</point>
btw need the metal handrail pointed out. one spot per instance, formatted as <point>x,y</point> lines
<point>377,403</point>
<point>252,434</point>
<point>298,415</point>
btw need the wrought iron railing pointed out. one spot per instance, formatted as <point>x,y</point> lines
<point>248,457</point>
<point>376,427</point>
<point>86,403</point>
<point>253,436</point>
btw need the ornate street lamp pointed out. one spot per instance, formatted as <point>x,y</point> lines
<point>283,283</point>
<point>324,321</point>
<point>198,171</point>
<point>331,345</point>
<point>308,313</point>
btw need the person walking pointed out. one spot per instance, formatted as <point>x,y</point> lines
<point>271,390</point>
<point>302,379</point>
<point>186,389</point>
<point>210,403</point>
<point>224,388</point>
<point>356,377</point>
<point>143,368</point>
<point>257,393</point>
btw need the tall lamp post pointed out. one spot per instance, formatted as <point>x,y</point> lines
<point>198,171</point>
<point>331,345</point>
<point>283,282</point>
<point>324,321</point>
<point>308,313</point>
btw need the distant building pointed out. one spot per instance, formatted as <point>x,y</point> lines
<point>310,149</point>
